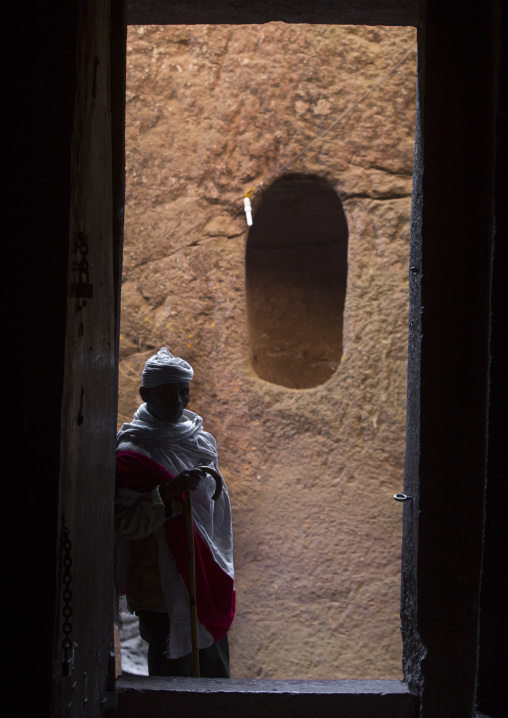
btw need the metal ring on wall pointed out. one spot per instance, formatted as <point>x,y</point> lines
<point>401,497</point>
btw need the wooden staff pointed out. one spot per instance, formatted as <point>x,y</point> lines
<point>193,606</point>
<point>192,586</point>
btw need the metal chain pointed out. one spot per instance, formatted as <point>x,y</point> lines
<point>67,645</point>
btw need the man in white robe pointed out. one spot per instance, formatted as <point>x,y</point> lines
<point>156,458</point>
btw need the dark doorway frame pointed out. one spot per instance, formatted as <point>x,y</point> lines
<point>455,535</point>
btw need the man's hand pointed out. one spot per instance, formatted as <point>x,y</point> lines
<point>184,483</point>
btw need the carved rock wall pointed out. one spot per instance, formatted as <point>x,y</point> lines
<point>212,111</point>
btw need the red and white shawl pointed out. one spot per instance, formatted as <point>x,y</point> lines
<point>151,453</point>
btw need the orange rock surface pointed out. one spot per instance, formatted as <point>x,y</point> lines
<point>211,112</point>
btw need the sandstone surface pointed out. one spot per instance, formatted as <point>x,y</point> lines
<point>211,112</point>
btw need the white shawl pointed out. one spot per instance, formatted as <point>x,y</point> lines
<point>178,447</point>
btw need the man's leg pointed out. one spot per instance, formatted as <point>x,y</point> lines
<point>214,661</point>
<point>154,628</point>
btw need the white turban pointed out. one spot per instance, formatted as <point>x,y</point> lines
<point>164,368</point>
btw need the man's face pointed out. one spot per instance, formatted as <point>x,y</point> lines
<point>167,401</point>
